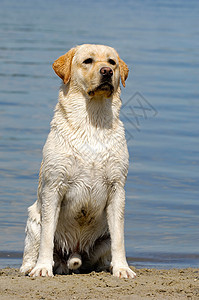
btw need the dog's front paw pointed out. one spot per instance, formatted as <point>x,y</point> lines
<point>123,272</point>
<point>27,268</point>
<point>44,270</point>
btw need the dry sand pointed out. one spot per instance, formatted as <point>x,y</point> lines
<point>149,284</point>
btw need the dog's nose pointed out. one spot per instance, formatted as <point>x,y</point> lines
<point>106,72</point>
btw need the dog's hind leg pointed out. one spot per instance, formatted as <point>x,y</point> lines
<point>32,240</point>
<point>99,257</point>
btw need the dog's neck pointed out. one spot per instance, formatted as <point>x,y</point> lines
<point>79,110</point>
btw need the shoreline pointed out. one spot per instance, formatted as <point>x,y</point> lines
<point>154,260</point>
<point>149,284</point>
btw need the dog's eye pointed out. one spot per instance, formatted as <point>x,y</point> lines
<point>88,61</point>
<point>111,61</point>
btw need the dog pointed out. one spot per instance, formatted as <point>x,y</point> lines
<point>77,222</point>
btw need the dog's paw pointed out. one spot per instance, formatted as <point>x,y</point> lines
<point>44,270</point>
<point>123,272</point>
<point>26,268</point>
<point>74,261</point>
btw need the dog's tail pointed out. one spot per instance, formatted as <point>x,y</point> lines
<point>74,261</point>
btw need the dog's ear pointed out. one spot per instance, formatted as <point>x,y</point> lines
<point>62,66</point>
<point>124,70</point>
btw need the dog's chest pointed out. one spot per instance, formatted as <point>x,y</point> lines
<point>87,193</point>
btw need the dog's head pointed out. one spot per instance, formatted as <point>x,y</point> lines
<point>93,69</point>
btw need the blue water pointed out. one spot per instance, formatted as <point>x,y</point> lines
<point>159,40</point>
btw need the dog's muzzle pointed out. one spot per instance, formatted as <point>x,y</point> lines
<point>106,86</point>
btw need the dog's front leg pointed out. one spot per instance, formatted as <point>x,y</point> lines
<point>49,215</point>
<point>115,215</point>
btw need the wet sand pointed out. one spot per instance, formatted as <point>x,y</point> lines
<point>149,284</point>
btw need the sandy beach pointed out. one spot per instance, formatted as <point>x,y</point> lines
<point>149,284</point>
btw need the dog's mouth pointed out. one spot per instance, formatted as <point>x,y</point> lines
<point>105,88</point>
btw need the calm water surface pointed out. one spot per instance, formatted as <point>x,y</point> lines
<point>159,40</point>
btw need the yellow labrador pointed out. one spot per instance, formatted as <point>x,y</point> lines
<point>77,222</point>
